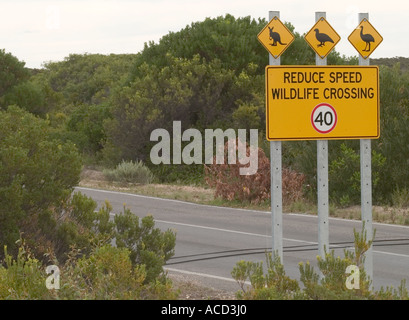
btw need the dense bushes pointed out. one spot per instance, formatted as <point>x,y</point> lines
<point>147,245</point>
<point>107,273</point>
<point>37,174</point>
<point>91,267</point>
<point>327,284</point>
<point>38,210</point>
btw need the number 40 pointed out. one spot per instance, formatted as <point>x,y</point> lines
<point>327,118</point>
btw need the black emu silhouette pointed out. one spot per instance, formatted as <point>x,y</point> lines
<point>322,38</point>
<point>367,38</point>
<point>276,37</point>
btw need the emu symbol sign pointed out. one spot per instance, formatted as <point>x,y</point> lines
<point>365,38</point>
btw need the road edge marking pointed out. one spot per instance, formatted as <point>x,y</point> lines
<point>205,275</point>
<point>230,208</point>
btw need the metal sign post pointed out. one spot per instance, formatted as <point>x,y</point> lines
<point>322,175</point>
<point>366,183</point>
<point>276,179</point>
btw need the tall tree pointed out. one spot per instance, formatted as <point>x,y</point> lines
<point>196,93</point>
<point>36,175</point>
<point>12,72</point>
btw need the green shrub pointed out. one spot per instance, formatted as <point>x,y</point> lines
<point>22,278</point>
<point>329,283</point>
<point>148,246</point>
<point>108,273</point>
<point>90,266</point>
<point>345,176</point>
<point>130,172</point>
<point>273,285</point>
<point>400,198</point>
<point>190,174</point>
<point>83,226</point>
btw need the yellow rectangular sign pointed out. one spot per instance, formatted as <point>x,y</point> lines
<point>322,102</point>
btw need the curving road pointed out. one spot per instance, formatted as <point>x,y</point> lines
<point>210,240</point>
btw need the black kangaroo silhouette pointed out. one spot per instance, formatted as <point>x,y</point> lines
<point>368,38</point>
<point>276,37</point>
<point>322,38</point>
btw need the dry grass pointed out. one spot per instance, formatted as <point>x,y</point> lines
<point>95,179</point>
<point>381,214</point>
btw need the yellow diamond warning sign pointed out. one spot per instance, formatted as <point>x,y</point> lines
<point>322,38</point>
<point>275,37</point>
<point>365,38</point>
<point>322,102</point>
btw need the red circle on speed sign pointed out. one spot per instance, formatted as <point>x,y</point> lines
<point>324,118</point>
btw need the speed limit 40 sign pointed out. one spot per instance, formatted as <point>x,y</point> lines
<point>324,118</point>
<point>322,102</point>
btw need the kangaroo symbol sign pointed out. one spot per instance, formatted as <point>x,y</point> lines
<point>365,38</point>
<point>322,102</point>
<point>275,37</point>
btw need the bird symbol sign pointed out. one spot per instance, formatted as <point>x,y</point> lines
<point>275,37</point>
<point>365,38</point>
<point>322,38</point>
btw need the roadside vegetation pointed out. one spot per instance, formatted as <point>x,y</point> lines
<point>328,283</point>
<point>87,120</point>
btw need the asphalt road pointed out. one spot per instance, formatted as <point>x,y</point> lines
<point>211,240</point>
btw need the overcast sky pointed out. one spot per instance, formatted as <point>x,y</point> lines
<point>40,31</point>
